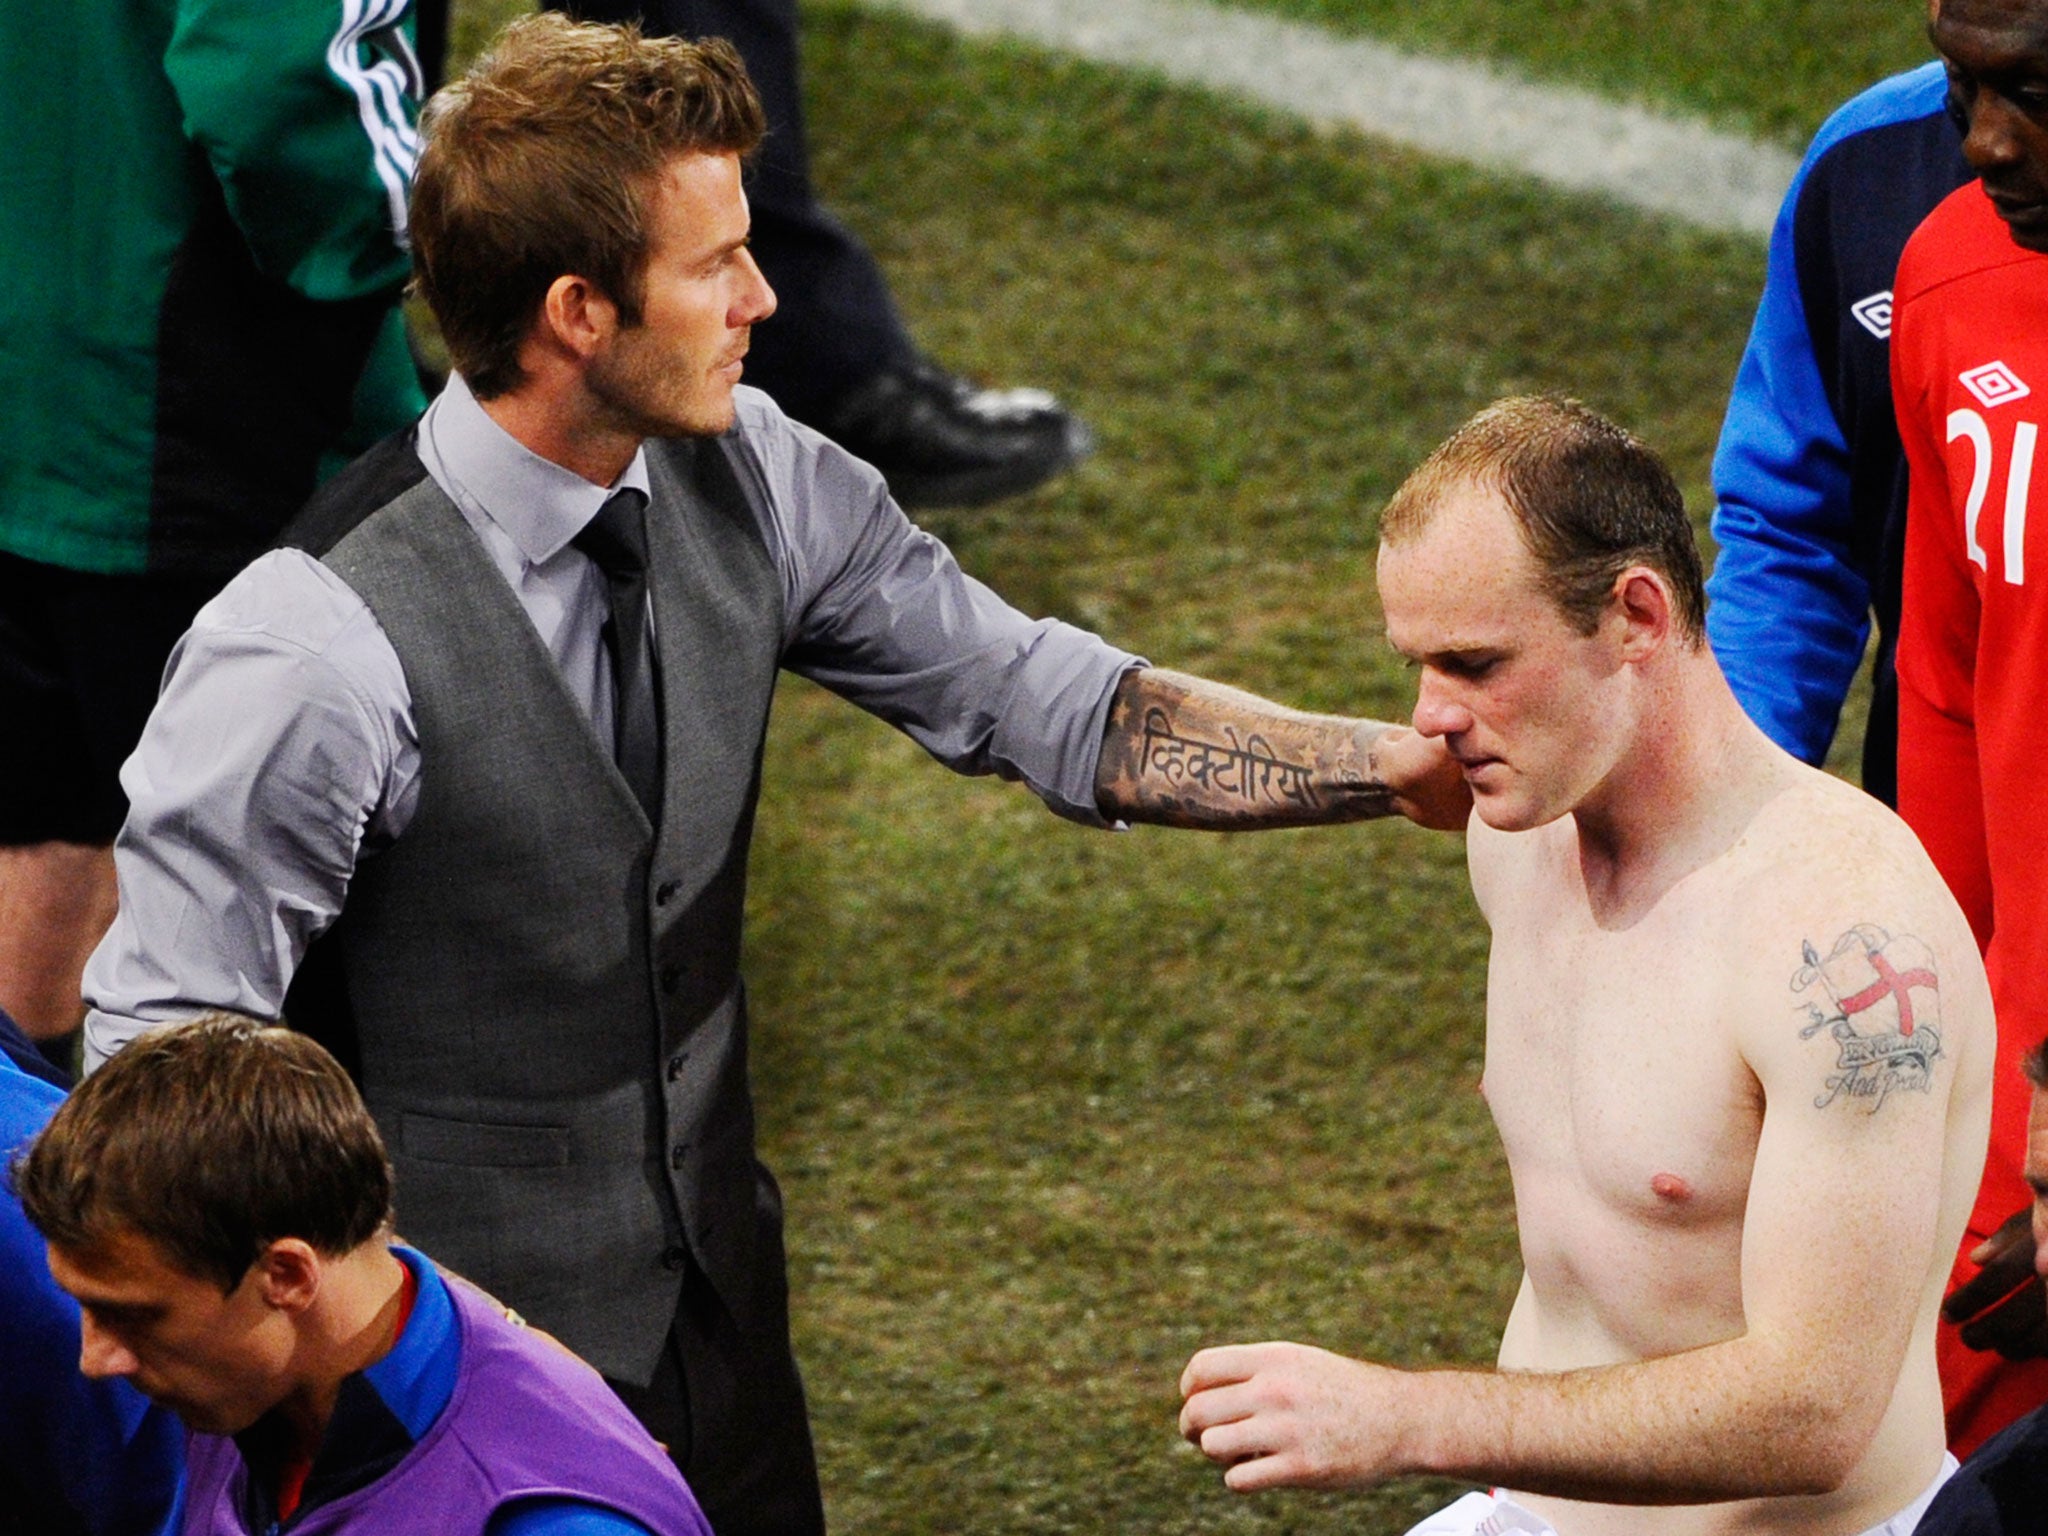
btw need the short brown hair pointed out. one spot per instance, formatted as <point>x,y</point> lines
<point>1591,500</point>
<point>212,1139</point>
<point>2036,1065</point>
<point>539,163</point>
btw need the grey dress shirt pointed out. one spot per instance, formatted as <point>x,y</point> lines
<point>282,749</point>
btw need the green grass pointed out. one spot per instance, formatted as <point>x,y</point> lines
<point>1053,1108</point>
<point>1770,67</point>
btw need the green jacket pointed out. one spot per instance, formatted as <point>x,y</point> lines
<point>202,235</point>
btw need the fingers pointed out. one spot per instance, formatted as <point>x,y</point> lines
<point>1223,1365</point>
<point>1209,1408</point>
<point>1260,1473</point>
<point>2016,1328</point>
<point>2005,1260</point>
<point>1228,1443</point>
<point>1226,1424</point>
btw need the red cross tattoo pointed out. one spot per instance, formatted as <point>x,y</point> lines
<point>1891,983</point>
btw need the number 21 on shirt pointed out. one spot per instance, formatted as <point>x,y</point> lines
<point>2019,475</point>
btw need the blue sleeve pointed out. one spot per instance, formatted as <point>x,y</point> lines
<point>562,1517</point>
<point>1788,611</point>
<point>96,1451</point>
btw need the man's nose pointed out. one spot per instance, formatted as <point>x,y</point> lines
<point>1438,711</point>
<point>757,302</point>
<point>100,1354</point>
<point>1989,136</point>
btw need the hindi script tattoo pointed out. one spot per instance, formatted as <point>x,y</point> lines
<point>1879,1001</point>
<point>1247,771</point>
<point>1196,754</point>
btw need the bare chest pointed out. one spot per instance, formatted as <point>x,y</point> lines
<point>1629,1119</point>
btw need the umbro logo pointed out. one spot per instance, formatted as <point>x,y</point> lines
<point>1994,384</point>
<point>1874,313</point>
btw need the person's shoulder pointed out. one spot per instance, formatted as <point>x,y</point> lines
<point>1825,878</point>
<point>774,435</point>
<point>806,476</point>
<point>373,480</point>
<point>1819,839</point>
<point>284,600</point>
<point>1962,238</point>
<point>26,1103</point>
<point>1912,96</point>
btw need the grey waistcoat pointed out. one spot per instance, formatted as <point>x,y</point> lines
<point>545,989</point>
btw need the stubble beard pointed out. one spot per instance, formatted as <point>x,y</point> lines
<point>633,395</point>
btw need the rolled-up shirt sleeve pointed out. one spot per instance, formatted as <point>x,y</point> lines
<point>880,612</point>
<point>282,742</point>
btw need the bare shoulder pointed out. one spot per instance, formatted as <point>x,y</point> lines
<point>1820,842</point>
<point>1838,925</point>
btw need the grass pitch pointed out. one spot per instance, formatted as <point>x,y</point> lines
<point>1053,1108</point>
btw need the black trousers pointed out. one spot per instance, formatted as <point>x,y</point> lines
<point>728,1403</point>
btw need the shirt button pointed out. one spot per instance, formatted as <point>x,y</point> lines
<point>675,1064</point>
<point>674,1257</point>
<point>677,1153</point>
<point>666,892</point>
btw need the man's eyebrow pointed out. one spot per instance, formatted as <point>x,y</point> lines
<point>727,247</point>
<point>1452,653</point>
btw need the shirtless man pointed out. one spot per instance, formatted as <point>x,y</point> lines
<point>1738,1049</point>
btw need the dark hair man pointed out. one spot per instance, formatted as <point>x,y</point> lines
<point>491,730</point>
<point>218,1201</point>
<point>2003,1488</point>
<point>1969,367</point>
<point>77,1457</point>
<point>1738,1046</point>
<point>839,357</point>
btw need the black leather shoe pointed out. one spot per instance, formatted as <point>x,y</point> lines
<point>940,442</point>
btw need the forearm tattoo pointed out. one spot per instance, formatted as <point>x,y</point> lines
<point>1879,1001</point>
<point>1183,752</point>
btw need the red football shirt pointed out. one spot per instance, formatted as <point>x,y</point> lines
<point>1969,352</point>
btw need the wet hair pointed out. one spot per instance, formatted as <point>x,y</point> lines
<point>540,163</point>
<point>1590,498</point>
<point>212,1140</point>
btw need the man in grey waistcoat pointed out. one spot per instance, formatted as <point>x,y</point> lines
<point>479,746</point>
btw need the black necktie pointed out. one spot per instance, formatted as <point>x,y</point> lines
<point>616,542</point>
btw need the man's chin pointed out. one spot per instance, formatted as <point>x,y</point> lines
<point>199,1418</point>
<point>1505,812</point>
<point>2028,227</point>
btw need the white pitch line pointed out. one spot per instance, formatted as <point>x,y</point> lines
<point>1571,139</point>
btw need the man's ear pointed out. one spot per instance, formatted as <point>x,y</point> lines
<point>1641,604</point>
<point>577,316</point>
<point>289,1272</point>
